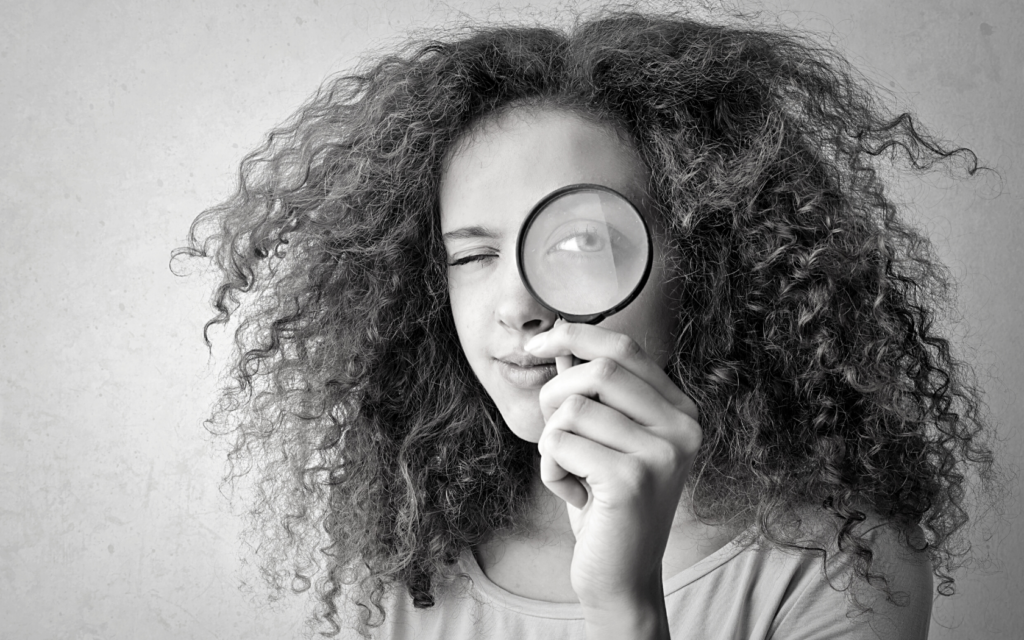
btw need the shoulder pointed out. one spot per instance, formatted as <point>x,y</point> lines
<point>752,588</point>
<point>829,599</point>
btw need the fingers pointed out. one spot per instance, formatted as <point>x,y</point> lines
<point>562,483</point>
<point>589,342</point>
<point>587,443</point>
<point>615,425</point>
<point>568,461</point>
<point>615,384</point>
<point>611,384</point>
<point>599,423</point>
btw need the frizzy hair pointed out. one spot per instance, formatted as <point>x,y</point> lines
<point>808,326</point>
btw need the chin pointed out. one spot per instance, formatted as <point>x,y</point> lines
<point>526,425</point>
<point>532,435</point>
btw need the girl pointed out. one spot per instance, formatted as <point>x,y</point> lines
<point>772,440</point>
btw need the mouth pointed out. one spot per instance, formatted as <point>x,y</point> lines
<point>525,360</point>
<point>526,372</point>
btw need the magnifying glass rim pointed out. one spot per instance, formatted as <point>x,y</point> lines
<point>589,318</point>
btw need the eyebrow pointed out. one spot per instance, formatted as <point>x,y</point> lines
<point>468,233</point>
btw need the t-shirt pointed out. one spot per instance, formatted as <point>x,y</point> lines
<point>743,590</point>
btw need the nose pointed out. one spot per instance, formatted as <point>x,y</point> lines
<point>516,309</point>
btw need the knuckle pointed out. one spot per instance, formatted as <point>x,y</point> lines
<point>627,348</point>
<point>605,368</point>
<point>552,424</point>
<point>668,456</point>
<point>551,438</point>
<point>576,404</point>
<point>691,434</point>
<point>689,407</point>
<point>696,439</point>
<point>682,403</point>
<point>544,442</point>
<point>572,330</point>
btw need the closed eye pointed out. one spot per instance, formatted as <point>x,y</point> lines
<point>468,259</point>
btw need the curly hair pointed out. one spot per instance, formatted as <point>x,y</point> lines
<point>809,337</point>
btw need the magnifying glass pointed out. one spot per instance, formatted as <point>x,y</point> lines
<point>584,252</point>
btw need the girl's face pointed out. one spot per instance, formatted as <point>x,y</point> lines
<point>492,181</point>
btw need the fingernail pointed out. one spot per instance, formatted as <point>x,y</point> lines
<point>536,342</point>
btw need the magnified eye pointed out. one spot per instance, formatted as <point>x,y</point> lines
<point>579,241</point>
<point>584,251</point>
<point>584,241</point>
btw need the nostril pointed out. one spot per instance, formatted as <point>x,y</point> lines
<point>517,310</point>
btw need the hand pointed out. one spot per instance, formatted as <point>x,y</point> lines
<point>618,443</point>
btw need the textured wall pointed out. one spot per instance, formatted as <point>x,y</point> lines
<point>119,123</point>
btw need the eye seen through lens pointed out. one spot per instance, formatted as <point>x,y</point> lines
<point>584,252</point>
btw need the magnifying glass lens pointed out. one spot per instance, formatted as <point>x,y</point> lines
<point>584,252</point>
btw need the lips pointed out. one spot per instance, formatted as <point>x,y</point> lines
<point>525,360</point>
<point>525,371</point>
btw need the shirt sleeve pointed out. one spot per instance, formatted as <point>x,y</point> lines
<point>817,611</point>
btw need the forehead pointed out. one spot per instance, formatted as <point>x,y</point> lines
<point>502,168</point>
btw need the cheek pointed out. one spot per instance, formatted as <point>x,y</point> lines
<point>465,321</point>
<point>651,319</point>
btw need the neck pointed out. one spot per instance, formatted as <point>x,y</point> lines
<point>535,561</point>
<point>549,518</point>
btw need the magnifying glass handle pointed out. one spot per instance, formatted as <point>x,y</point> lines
<point>564,362</point>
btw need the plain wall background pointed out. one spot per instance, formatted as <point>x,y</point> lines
<point>120,121</point>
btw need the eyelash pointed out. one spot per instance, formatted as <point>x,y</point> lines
<point>616,237</point>
<point>575,232</point>
<point>468,259</point>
